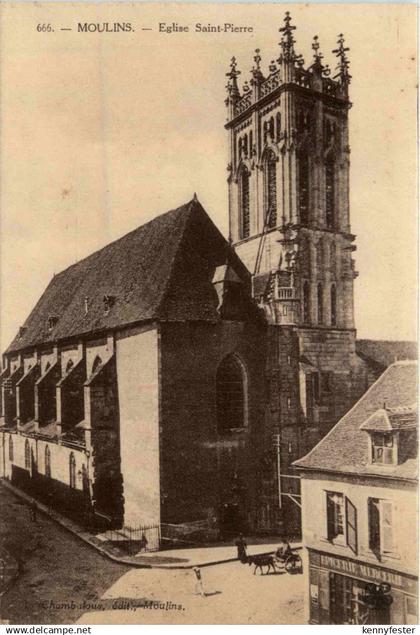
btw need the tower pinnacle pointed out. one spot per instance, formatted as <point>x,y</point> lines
<point>343,63</point>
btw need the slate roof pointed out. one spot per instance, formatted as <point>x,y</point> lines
<point>389,419</point>
<point>345,447</point>
<point>160,271</point>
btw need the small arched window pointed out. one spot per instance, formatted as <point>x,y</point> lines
<point>72,469</point>
<point>320,301</point>
<point>244,198</point>
<point>303,185</point>
<point>69,366</point>
<point>27,455</point>
<point>306,303</point>
<point>333,305</point>
<point>271,188</point>
<point>96,363</point>
<point>10,448</point>
<point>47,462</point>
<point>330,192</point>
<point>231,395</point>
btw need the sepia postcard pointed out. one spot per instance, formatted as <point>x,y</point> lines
<point>208,271</point>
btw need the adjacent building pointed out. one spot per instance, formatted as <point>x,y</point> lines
<point>360,508</point>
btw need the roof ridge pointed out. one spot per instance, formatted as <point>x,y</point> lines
<point>116,240</point>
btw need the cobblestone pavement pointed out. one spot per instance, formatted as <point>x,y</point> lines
<point>63,581</point>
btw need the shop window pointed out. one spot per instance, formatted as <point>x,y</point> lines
<point>10,449</point>
<point>380,514</point>
<point>27,455</point>
<point>230,395</point>
<point>47,462</point>
<point>383,448</point>
<point>335,515</point>
<point>72,470</point>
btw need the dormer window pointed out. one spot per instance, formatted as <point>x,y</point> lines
<point>383,448</point>
<point>52,321</point>
<point>109,301</point>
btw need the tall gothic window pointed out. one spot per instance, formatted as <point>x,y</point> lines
<point>96,363</point>
<point>47,462</point>
<point>306,303</point>
<point>330,192</point>
<point>244,197</point>
<point>27,455</point>
<point>10,449</point>
<point>303,184</point>
<point>230,395</point>
<point>278,127</point>
<point>320,307</point>
<point>271,189</point>
<point>72,471</point>
<point>333,305</point>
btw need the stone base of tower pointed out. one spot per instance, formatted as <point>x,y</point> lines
<point>331,376</point>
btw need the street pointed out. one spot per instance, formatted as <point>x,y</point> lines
<point>64,581</point>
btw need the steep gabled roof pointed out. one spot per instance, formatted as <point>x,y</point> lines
<point>160,271</point>
<point>345,447</point>
<point>382,353</point>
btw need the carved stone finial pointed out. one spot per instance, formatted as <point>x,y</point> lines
<point>315,47</point>
<point>232,85</point>
<point>272,68</point>
<point>287,40</point>
<point>343,63</point>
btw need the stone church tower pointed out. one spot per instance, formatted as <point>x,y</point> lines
<point>289,223</point>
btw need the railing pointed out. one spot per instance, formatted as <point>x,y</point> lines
<point>136,539</point>
<point>287,293</point>
<point>303,78</point>
<point>243,104</point>
<point>270,84</point>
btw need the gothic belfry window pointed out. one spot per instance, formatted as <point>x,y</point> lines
<point>278,126</point>
<point>320,300</point>
<point>333,306</point>
<point>306,302</point>
<point>330,192</point>
<point>303,184</point>
<point>271,189</point>
<point>244,198</point>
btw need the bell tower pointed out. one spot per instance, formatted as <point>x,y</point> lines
<point>289,185</point>
<point>289,223</point>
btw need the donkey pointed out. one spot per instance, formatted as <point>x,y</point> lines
<point>263,560</point>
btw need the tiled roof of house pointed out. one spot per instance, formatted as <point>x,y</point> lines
<point>345,447</point>
<point>389,419</point>
<point>160,271</point>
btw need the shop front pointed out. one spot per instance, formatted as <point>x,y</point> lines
<point>345,591</point>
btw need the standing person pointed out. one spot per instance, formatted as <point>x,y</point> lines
<point>241,546</point>
<point>199,582</point>
<point>34,510</point>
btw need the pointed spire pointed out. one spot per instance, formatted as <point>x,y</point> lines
<point>257,75</point>
<point>287,40</point>
<point>232,85</point>
<point>343,63</point>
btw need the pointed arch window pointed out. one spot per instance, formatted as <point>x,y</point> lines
<point>306,303</point>
<point>330,192</point>
<point>27,455</point>
<point>333,305</point>
<point>231,395</point>
<point>72,471</point>
<point>271,188</point>
<point>245,204</point>
<point>69,366</point>
<point>278,127</point>
<point>320,300</point>
<point>47,462</point>
<point>303,187</point>
<point>10,449</point>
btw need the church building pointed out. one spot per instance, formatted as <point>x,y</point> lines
<point>173,376</point>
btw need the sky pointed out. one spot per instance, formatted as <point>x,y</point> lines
<point>100,132</point>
